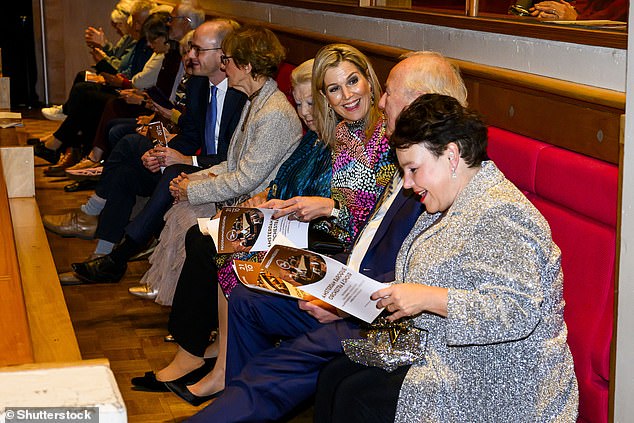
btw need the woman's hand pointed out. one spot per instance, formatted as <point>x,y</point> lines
<point>554,10</point>
<point>409,299</point>
<point>95,37</point>
<point>303,209</point>
<point>321,311</point>
<point>198,176</point>
<point>97,54</point>
<point>178,187</point>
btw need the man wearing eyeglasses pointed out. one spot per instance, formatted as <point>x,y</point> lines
<point>184,18</point>
<point>212,113</point>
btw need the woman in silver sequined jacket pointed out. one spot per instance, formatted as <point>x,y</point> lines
<point>480,275</point>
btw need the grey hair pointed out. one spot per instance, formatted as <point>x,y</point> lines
<point>142,6</point>
<point>434,73</point>
<point>195,14</point>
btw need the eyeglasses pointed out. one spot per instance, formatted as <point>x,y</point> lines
<point>197,49</point>
<point>171,18</point>
<point>225,59</point>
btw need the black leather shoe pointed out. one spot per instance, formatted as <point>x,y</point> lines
<point>51,156</point>
<point>100,270</point>
<point>82,185</point>
<point>182,391</point>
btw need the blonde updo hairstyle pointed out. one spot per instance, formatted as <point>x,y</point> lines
<point>302,73</point>
<point>326,119</point>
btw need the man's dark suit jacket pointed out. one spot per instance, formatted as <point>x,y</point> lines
<point>191,139</point>
<point>124,165</point>
<point>378,262</point>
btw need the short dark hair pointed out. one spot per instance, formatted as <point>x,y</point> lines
<point>435,120</point>
<point>155,26</point>
<point>256,46</point>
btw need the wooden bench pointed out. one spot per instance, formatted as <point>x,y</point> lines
<point>35,323</point>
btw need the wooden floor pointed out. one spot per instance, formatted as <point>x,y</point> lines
<point>108,321</point>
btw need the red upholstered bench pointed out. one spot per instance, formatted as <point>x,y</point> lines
<point>283,80</point>
<point>578,196</point>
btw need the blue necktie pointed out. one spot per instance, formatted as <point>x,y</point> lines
<point>210,123</point>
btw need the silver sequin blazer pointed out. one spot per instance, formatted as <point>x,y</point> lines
<point>500,355</point>
<point>256,151</point>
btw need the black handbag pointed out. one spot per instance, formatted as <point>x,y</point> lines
<point>323,243</point>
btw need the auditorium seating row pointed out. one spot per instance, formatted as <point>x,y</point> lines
<point>578,195</point>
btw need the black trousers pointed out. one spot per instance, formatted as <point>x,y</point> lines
<point>84,107</point>
<point>194,311</point>
<point>123,179</point>
<point>348,392</point>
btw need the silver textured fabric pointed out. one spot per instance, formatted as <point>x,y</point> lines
<point>500,355</point>
<point>270,135</point>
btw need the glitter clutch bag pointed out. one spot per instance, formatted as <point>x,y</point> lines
<point>387,345</point>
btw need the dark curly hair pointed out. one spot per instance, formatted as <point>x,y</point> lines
<point>435,120</point>
<point>257,46</point>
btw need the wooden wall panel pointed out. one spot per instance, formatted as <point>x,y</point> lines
<point>67,54</point>
<point>579,126</point>
<point>573,116</point>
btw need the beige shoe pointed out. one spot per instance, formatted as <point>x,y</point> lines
<point>85,163</point>
<point>143,291</point>
<point>69,158</point>
<point>72,224</point>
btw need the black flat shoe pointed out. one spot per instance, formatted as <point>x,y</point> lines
<point>182,391</point>
<point>148,383</point>
<point>51,156</point>
<point>100,270</point>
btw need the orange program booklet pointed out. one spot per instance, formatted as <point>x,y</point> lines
<point>297,273</point>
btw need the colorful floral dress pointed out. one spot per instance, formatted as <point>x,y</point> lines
<point>361,169</point>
